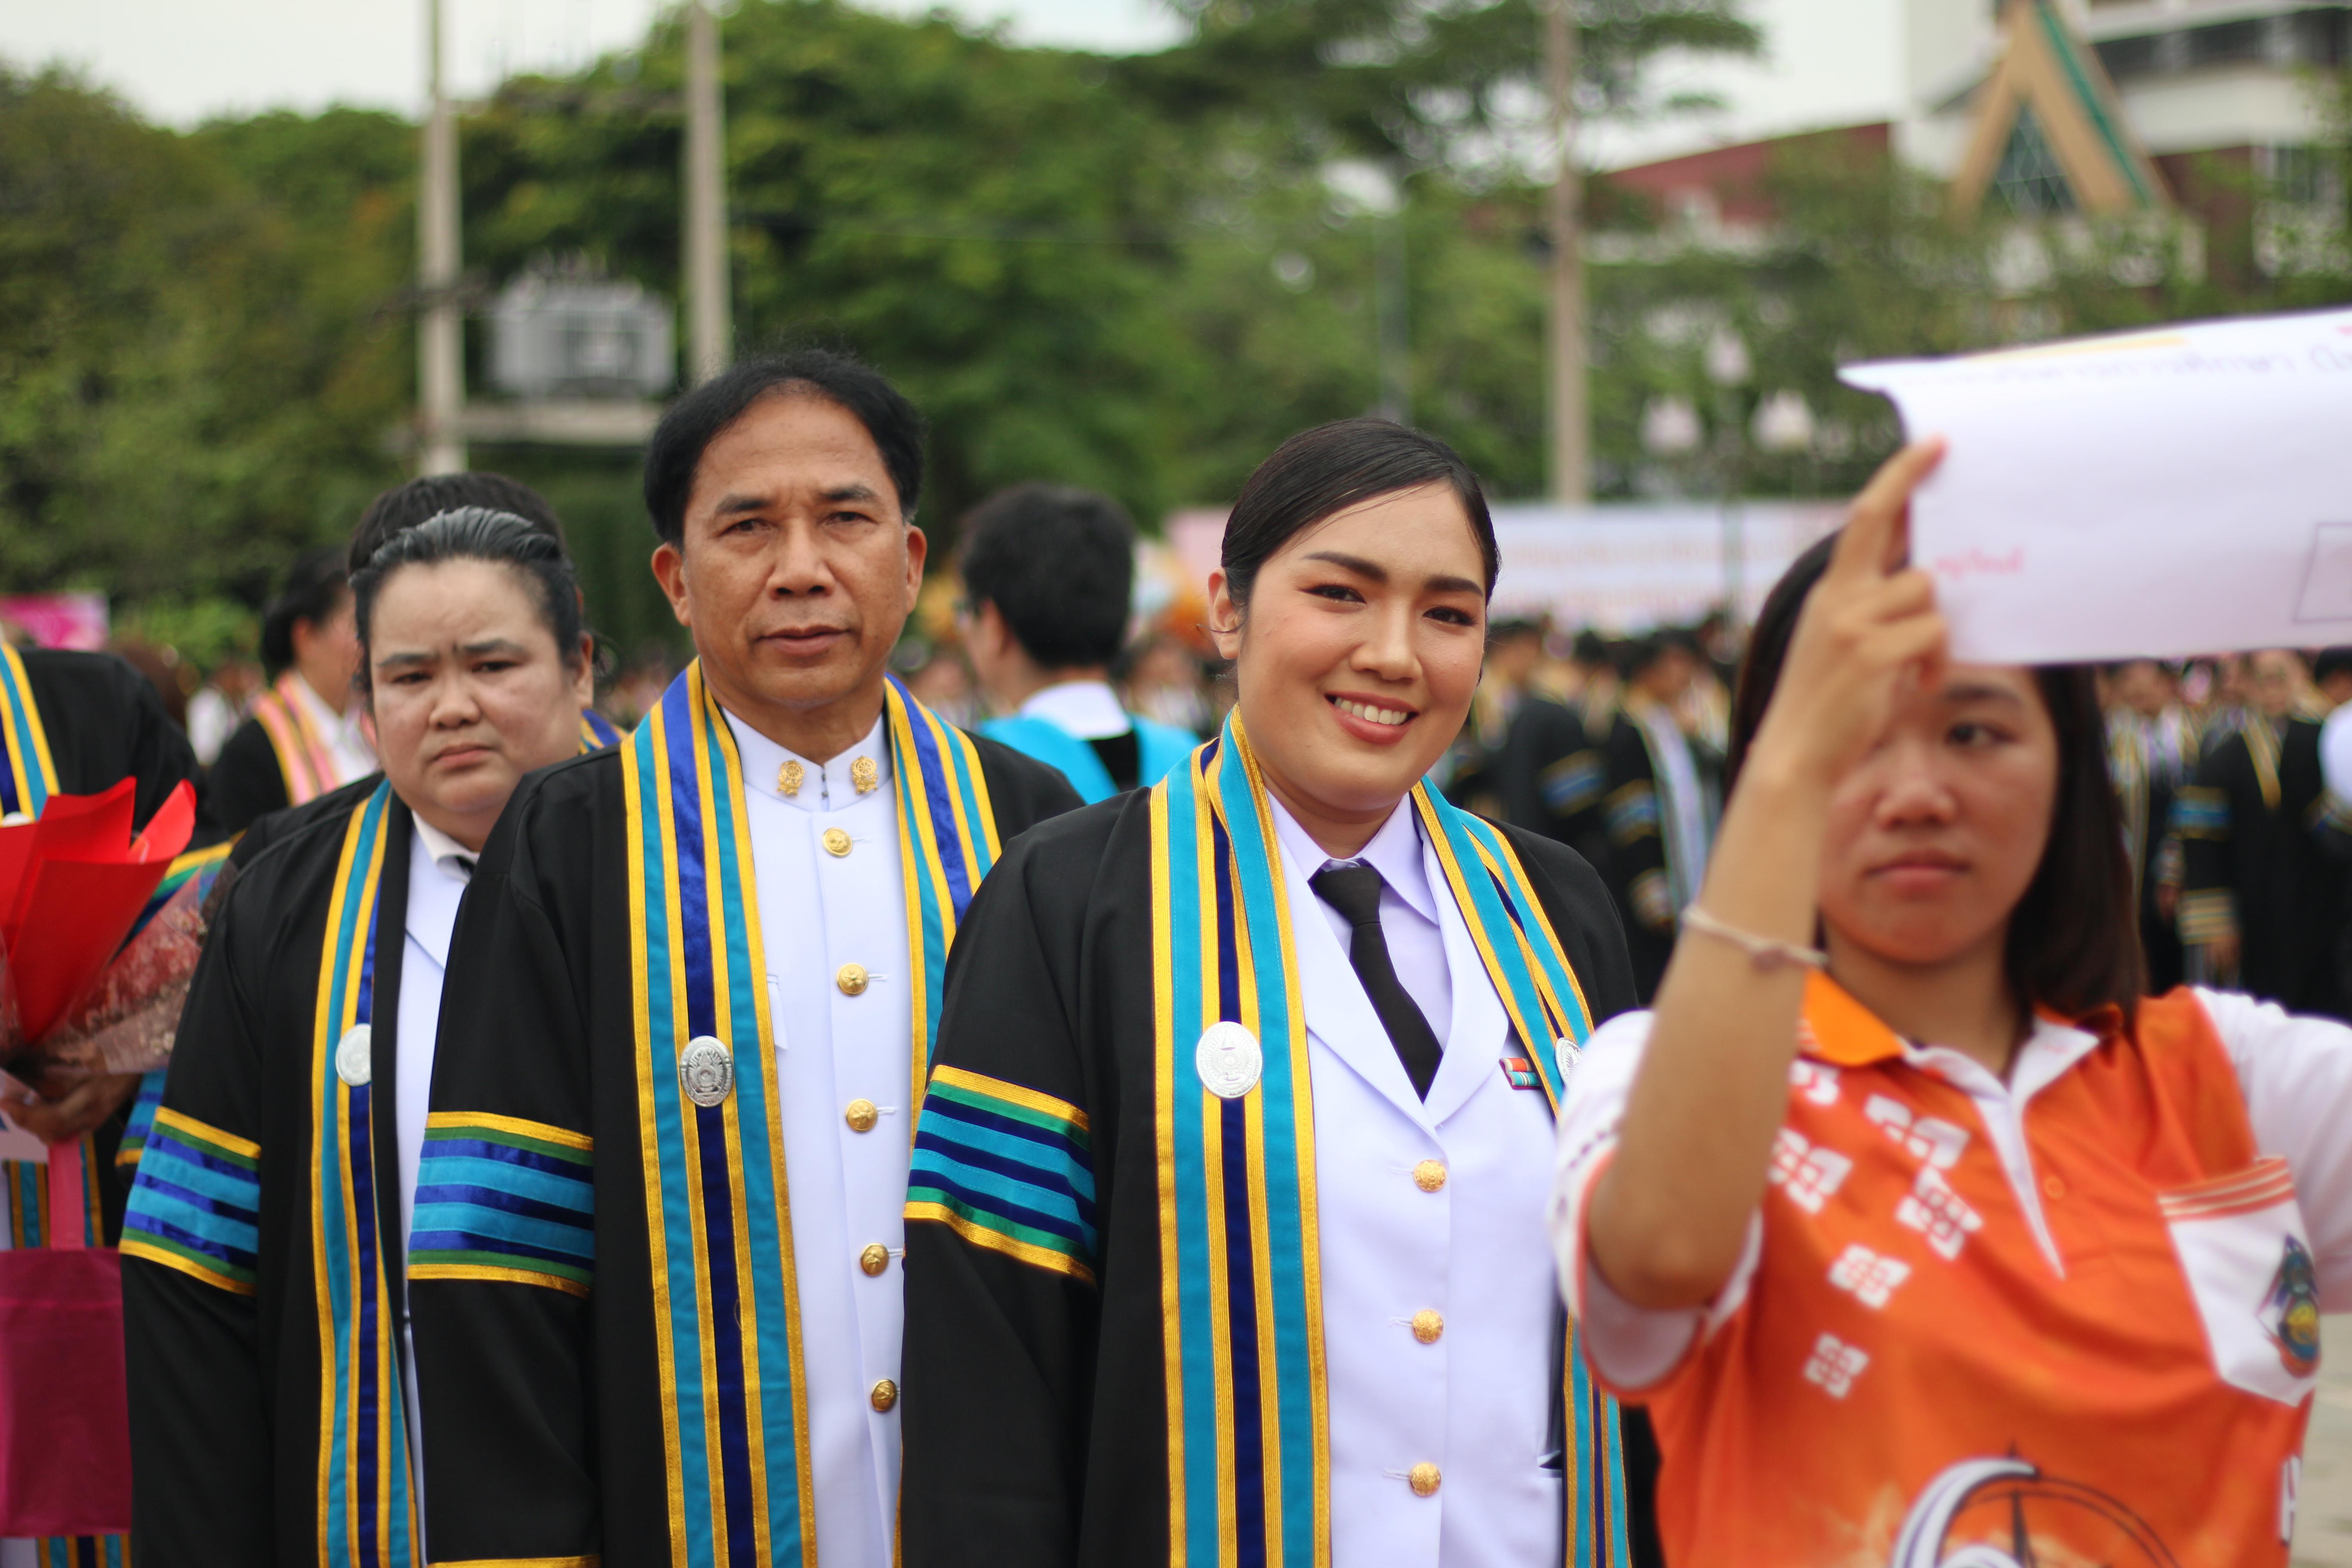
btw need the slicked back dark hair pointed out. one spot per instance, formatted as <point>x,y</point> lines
<point>2074,937</point>
<point>1058,564</point>
<point>702,416</point>
<point>1320,472</point>
<point>313,592</point>
<point>405,506</point>
<point>478,534</point>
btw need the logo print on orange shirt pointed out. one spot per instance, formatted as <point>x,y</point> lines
<point>2290,1313</point>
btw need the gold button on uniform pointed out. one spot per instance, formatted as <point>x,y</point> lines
<point>884,1394</point>
<point>1428,1324</point>
<point>1429,1175</point>
<point>851,978</point>
<point>874,1258</point>
<point>837,842</point>
<point>861,1115</point>
<point>1423,1479</point>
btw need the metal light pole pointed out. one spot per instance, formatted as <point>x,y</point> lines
<point>440,330</point>
<point>1728,367</point>
<point>1395,329</point>
<point>710,330</point>
<point>1572,483</point>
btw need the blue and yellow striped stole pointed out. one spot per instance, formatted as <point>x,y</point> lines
<point>1239,1248</point>
<point>597,733</point>
<point>196,1207</point>
<point>367,1508</point>
<point>31,775</point>
<point>726,1309</point>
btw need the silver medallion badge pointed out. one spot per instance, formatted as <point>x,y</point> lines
<point>1570,1056</point>
<point>355,1055</point>
<point>706,1070</point>
<point>1228,1060</point>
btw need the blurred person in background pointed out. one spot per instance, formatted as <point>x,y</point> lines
<point>303,1065</point>
<point>1165,683</point>
<point>2260,908</point>
<point>1475,773</point>
<point>1553,769</point>
<point>942,684</point>
<point>1048,574</point>
<point>2151,752</point>
<point>165,670</point>
<point>306,736</point>
<point>2331,680</point>
<point>1659,800</point>
<point>219,705</point>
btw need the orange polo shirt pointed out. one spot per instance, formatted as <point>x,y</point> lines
<point>2071,1319</point>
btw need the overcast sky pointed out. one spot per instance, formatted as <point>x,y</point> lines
<point>1831,62</point>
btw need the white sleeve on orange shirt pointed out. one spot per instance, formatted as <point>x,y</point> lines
<point>1632,1348</point>
<point>2297,1073</point>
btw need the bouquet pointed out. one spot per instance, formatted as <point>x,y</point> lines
<point>96,952</point>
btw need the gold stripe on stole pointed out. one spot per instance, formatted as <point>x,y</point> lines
<point>1310,1237</point>
<point>1163,1116</point>
<point>648,1145</point>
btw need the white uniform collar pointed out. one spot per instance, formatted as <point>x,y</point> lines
<point>445,852</point>
<point>774,771</point>
<point>1395,852</point>
<point>1088,710</point>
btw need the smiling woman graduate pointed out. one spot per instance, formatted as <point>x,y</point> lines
<point>1226,1220</point>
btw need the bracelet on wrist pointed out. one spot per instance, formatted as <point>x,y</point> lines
<point>1765,953</point>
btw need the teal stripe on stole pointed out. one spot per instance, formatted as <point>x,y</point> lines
<point>24,716</point>
<point>1196,1307</point>
<point>680,1222</point>
<point>755,1128</point>
<point>1281,1099</point>
<point>1465,834</point>
<point>927,892</point>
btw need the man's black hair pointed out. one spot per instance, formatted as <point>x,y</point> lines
<point>702,416</point>
<point>402,507</point>
<point>2330,661</point>
<point>313,592</point>
<point>1058,564</point>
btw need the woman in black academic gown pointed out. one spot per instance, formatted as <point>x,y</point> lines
<point>1228,1191</point>
<point>263,1283</point>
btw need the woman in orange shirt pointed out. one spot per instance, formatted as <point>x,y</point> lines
<point>1926,1237</point>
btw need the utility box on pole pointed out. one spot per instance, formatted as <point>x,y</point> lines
<point>553,336</point>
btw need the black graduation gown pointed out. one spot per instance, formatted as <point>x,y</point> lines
<point>225,1388</point>
<point>246,783</point>
<point>1633,861</point>
<point>1553,776</point>
<point>1034,1410</point>
<point>543,1427</point>
<point>105,724</point>
<point>2247,833</point>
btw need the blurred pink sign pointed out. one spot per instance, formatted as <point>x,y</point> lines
<point>58,620</point>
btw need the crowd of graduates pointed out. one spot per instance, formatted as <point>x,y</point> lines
<point>1427,1095</point>
<point>2237,824</point>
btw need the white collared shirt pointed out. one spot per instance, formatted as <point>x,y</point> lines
<point>439,867</point>
<point>343,732</point>
<point>1408,906</point>
<point>1477,1401</point>
<point>1088,710</point>
<point>820,910</point>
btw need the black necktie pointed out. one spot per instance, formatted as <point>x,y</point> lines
<point>1355,893</point>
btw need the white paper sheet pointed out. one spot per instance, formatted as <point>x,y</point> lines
<point>2182,491</point>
